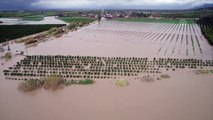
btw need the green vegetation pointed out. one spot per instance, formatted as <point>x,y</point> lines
<point>37,14</point>
<point>14,14</point>
<point>186,14</point>
<point>206,24</point>
<point>77,20</point>
<point>8,32</point>
<point>56,32</point>
<point>28,15</point>
<point>208,33</point>
<point>80,82</point>
<point>86,82</point>
<point>164,76</point>
<point>29,41</point>
<point>7,56</point>
<point>91,67</point>
<point>33,17</point>
<point>30,85</point>
<point>23,15</point>
<point>204,71</point>
<point>121,83</point>
<point>152,20</point>
<point>72,26</point>
<point>53,82</point>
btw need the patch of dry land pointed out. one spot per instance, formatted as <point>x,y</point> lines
<point>142,71</point>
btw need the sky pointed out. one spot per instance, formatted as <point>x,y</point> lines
<point>97,4</point>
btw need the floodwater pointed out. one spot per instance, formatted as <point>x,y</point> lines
<point>184,96</point>
<point>46,20</point>
<point>11,21</point>
<point>129,39</point>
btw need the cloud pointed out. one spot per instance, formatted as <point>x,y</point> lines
<point>117,3</point>
<point>79,4</point>
<point>16,4</point>
<point>63,3</point>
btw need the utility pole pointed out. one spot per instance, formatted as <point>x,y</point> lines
<point>8,45</point>
<point>26,50</point>
<point>102,12</point>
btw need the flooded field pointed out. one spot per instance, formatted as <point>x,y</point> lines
<point>183,96</point>
<point>11,21</point>
<point>46,20</point>
<point>129,39</point>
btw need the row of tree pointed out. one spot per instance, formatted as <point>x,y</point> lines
<point>9,32</point>
<point>206,24</point>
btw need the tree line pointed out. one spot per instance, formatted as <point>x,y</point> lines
<point>206,25</point>
<point>9,32</point>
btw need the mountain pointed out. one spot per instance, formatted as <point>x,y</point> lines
<point>205,6</point>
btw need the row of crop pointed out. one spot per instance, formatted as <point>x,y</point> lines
<point>88,67</point>
<point>9,32</point>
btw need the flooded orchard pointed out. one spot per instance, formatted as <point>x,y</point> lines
<point>184,95</point>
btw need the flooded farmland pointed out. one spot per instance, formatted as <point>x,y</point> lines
<point>18,21</point>
<point>183,96</point>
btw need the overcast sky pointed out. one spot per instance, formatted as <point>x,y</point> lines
<point>96,4</point>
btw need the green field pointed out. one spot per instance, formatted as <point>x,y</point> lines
<point>187,14</point>
<point>206,25</point>
<point>82,20</point>
<point>33,17</point>
<point>152,20</point>
<point>9,32</point>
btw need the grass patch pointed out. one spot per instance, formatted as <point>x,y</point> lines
<point>164,76</point>
<point>82,20</point>
<point>30,85</point>
<point>53,82</point>
<point>204,71</point>
<point>33,17</point>
<point>122,83</point>
<point>81,82</point>
<point>7,56</point>
<point>86,82</point>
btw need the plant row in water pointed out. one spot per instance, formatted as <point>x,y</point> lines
<point>51,82</point>
<point>90,67</point>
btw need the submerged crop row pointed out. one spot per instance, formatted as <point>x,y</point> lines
<point>88,67</point>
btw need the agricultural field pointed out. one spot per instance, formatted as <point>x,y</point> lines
<point>128,42</point>
<point>169,40</point>
<point>89,67</point>
<point>206,25</point>
<point>121,65</point>
<point>33,17</point>
<point>82,20</point>
<point>9,32</point>
<point>144,42</point>
<point>189,14</point>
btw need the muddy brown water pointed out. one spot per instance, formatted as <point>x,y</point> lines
<point>183,96</point>
<point>46,20</point>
